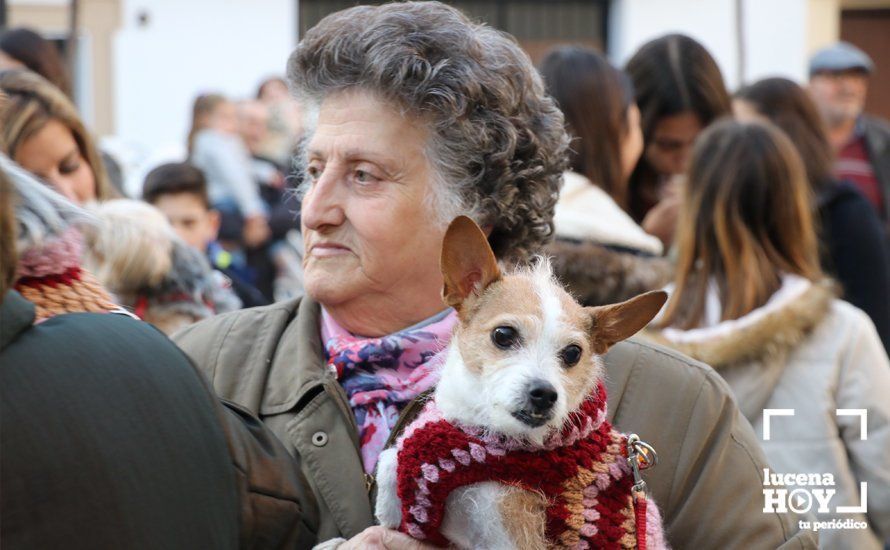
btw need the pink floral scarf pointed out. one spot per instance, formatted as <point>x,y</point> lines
<point>382,375</point>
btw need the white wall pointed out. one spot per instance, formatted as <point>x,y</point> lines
<point>775,33</point>
<point>187,48</point>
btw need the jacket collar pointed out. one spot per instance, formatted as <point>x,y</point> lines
<point>16,316</point>
<point>297,363</point>
<point>587,213</point>
<point>766,332</point>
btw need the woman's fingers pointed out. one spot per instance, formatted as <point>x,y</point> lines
<point>395,540</point>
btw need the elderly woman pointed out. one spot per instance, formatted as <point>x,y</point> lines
<point>421,115</point>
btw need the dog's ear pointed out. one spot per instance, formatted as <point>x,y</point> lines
<point>613,323</point>
<point>467,262</point>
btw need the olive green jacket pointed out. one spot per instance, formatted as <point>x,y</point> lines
<point>708,482</point>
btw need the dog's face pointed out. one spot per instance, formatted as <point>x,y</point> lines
<point>525,353</point>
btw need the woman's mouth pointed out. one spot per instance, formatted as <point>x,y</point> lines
<point>324,250</point>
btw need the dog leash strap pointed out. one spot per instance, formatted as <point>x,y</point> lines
<point>640,513</point>
<point>640,456</point>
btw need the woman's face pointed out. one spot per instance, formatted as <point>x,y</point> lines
<point>9,62</point>
<point>53,155</point>
<point>744,111</point>
<point>225,118</point>
<point>632,142</point>
<point>671,144</point>
<point>275,91</point>
<point>371,241</point>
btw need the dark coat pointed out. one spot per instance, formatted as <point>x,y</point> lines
<point>111,439</point>
<point>877,144</point>
<point>855,251</point>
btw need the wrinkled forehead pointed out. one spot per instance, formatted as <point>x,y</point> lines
<point>311,108</point>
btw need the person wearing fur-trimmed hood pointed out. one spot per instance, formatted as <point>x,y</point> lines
<point>750,299</point>
<point>599,253</point>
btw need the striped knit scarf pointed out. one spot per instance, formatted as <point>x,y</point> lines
<point>582,471</point>
<point>50,277</point>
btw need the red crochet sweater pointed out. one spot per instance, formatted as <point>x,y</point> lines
<point>582,470</point>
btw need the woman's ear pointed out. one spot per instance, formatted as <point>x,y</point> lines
<point>467,262</point>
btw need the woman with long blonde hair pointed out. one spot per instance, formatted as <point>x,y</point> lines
<point>41,131</point>
<point>750,299</point>
<point>854,248</point>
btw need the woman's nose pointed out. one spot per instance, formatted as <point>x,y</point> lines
<point>64,187</point>
<point>680,160</point>
<point>323,203</point>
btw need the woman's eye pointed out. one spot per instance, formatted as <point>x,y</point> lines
<point>314,172</point>
<point>570,355</point>
<point>69,167</point>
<point>505,337</point>
<point>362,176</point>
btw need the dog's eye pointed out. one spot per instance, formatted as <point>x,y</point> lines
<point>504,337</point>
<point>570,355</point>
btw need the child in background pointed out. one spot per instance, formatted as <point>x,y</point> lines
<point>219,152</point>
<point>179,191</point>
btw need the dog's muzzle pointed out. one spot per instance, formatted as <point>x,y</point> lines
<point>540,398</point>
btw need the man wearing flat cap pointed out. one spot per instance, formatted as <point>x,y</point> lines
<point>839,83</point>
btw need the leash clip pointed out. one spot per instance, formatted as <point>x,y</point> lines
<point>640,456</point>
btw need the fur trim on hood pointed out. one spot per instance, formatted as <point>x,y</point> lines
<point>597,275</point>
<point>766,333</point>
<point>585,212</point>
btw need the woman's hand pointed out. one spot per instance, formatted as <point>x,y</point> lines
<point>661,221</point>
<point>381,538</point>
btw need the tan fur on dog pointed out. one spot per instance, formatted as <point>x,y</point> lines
<point>523,514</point>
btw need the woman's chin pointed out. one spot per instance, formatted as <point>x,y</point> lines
<point>330,286</point>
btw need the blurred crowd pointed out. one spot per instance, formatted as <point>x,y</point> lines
<point>231,199</point>
<point>764,211</point>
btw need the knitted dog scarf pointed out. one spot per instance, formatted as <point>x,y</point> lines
<point>582,471</point>
<point>50,277</point>
<point>382,375</point>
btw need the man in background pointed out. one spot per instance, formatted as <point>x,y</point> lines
<point>839,76</point>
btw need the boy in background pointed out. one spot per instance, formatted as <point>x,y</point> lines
<point>179,190</point>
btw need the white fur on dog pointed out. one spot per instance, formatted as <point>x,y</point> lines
<point>473,518</point>
<point>389,505</point>
<point>489,400</point>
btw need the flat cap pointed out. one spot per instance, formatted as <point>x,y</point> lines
<point>841,56</point>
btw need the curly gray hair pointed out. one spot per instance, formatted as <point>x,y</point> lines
<point>498,145</point>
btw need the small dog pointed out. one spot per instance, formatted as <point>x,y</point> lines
<point>513,451</point>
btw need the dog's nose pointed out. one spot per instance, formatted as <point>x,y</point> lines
<point>542,395</point>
